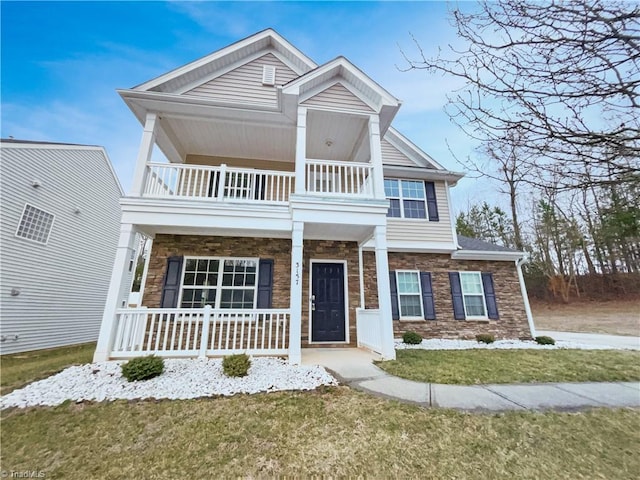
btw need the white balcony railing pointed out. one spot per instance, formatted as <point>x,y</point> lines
<point>199,182</point>
<point>191,332</point>
<point>339,178</point>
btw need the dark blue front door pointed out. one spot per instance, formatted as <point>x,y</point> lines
<point>327,302</point>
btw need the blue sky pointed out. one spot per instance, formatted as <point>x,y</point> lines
<point>63,61</point>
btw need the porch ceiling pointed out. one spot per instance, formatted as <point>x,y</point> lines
<point>335,136</point>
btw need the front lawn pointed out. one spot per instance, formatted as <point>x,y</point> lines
<point>335,432</point>
<point>514,366</point>
<point>18,369</point>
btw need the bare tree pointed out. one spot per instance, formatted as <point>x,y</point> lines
<point>564,74</point>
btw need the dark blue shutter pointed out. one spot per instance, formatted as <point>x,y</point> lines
<point>490,295</point>
<point>428,304</point>
<point>395,311</point>
<point>265,283</point>
<point>171,286</point>
<point>432,203</point>
<point>456,296</point>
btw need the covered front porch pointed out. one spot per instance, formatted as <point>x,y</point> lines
<point>255,295</point>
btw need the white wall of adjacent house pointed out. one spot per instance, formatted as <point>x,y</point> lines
<point>53,294</point>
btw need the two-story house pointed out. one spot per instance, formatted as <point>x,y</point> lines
<point>292,214</point>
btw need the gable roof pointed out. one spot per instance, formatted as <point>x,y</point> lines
<point>215,63</point>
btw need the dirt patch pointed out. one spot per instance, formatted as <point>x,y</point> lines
<point>614,318</point>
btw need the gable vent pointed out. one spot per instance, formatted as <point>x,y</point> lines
<point>268,75</point>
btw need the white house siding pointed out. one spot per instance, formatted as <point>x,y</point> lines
<point>62,284</point>
<point>392,156</point>
<point>415,230</point>
<point>244,84</point>
<point>338,96</point>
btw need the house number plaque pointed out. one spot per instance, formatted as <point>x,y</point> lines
<point>297,273</point>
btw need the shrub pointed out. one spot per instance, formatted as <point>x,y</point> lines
<point>544,340</point>
<point>412,338</point>
<point>236,365</point>
<point>485,338</point>
<point>143,368</point>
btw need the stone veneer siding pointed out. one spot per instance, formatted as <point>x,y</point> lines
<point>165,246</point>
<point>513,319</point>
<point>278,249</point>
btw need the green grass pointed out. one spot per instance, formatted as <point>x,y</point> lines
<point>335,432</point>
<point>21,368</point>
<point>514,366</point>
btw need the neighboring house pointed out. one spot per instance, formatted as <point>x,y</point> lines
<point>292,214</point>
<point>60,218</point>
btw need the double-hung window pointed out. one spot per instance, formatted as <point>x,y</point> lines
<point>409,294</point>
<point>219,282</point>
<point>473,295</point>
<point>407,198</point>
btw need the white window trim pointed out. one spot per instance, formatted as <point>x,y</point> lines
<point>484,298</point>
<point>219,286</point>
<point>401,199</point>
<point>53,221</point>
<point>421,317</point>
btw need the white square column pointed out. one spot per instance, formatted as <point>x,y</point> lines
<point>119,275</point>
<point>375,148</point>
<point>384,293</point>
<point>295,305</point>
<point>144,154</point>
<point>301,151</point>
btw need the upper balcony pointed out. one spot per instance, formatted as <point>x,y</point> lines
<point>223,184</point>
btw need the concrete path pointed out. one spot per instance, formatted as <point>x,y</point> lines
<point>354,367</point>
<point>597,339</point>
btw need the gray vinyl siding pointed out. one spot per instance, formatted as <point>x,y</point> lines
<point>392,156</point>
<point>414,230</point>
<point>244,84</point>
<point>63,284</point>
<point>338,96</point>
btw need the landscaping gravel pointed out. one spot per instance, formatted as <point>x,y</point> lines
<point>181,379</point>
<point>438,344</point>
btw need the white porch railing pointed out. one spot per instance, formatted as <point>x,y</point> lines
<point>369,329</point>
<point>191,332</point>
<point>339,178</point>
<point>221,183</point>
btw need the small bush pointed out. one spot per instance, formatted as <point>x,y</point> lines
<point>236,365</point>
<point>485,338</point>
<point>544,340</point>
<point>412,338</point>
<point>143,368</point>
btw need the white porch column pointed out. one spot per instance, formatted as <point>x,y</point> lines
<point>144,153</point>
<point>376,156</point>
<point>295,306</point>
<point>384,292</point>
<point>301,151</point>
<point>119,275</point>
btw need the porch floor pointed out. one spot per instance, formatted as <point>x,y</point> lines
<point>346,363</point>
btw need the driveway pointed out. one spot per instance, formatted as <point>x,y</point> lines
<point>616,341</point>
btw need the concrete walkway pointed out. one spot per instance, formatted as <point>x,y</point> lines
<point>597,339</point>
<point>354,367</point>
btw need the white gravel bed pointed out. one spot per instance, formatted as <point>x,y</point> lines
<point>181,379</point>
<point>440,344</point>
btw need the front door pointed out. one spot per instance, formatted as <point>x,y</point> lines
<point>327,302</point>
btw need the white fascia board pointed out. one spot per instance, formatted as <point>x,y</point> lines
<point>409,149</point>
<point>268,33</point>
<point>338,212</point>
<point>177,213</point>
<point>181,104</point>
<point>414,247</point>
<point>422,173</point>
<point>337,65</point>
<point>487,255</point>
